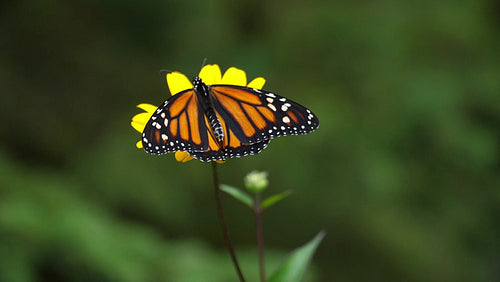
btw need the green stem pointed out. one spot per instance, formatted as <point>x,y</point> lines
<point>260,236</point>
<point>223,224</point>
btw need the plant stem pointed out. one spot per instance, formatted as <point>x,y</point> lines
<point>223,224</point>
<point>260,236</point>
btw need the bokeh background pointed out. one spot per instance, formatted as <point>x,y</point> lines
<point>403,173</point>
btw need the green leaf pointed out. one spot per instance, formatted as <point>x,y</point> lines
<point>238,194</point>
<point>274,199</point>
<point>295,266</point>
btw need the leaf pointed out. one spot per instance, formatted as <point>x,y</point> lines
<point>274,199</point>
<point>238,194</point>
<point>295,266</point>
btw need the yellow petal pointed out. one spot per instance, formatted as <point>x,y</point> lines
<point>147,107</point>
<point>177,82</point>
<point>139,126</point>
<point>257,83</point>
<point>142,117</point>
<point>182,157</point>
<point>234,76</point>
<point>210,74</point>
<point>139,121</point>
<point>220,162</point>
<point>138,145</point>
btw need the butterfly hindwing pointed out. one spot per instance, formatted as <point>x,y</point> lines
<point>177,125</point>
<point>230,147</point>
<point>230,152</point>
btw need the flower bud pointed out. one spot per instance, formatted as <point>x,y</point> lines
<point>256,181</point>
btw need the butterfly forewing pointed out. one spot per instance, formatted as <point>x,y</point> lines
<point>257,115</point>
<point>177,125</point>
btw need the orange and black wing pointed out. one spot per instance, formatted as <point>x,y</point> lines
<point>255,115</point>
<point>230,147</point>
<point>177,125</point>
<point>250,119</point>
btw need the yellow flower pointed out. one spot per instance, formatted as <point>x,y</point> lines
<point>178,82</point>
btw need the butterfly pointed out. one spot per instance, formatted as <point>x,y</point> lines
<point>218,122</point>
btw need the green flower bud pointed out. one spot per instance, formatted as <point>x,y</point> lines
<point>256,181</point>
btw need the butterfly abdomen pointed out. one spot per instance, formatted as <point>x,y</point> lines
<point>203,93</point>
<point>215,124</point>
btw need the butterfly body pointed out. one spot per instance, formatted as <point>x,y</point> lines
<point>217,122</point>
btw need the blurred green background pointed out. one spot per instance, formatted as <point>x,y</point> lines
<point>403,173</point>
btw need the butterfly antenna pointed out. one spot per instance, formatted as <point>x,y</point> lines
<point>204,62</point>
<point>162,71</point>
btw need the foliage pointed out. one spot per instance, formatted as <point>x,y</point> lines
<point>293,269</point>
<point>403,173</point>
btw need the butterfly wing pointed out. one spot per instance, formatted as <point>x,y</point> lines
<point>177,125</point>
<point>255,115</point>
<point>216,154</point>
<point>250,118</point>
<point>230,147</point>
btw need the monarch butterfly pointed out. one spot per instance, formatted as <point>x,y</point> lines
<point>218,122</point>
